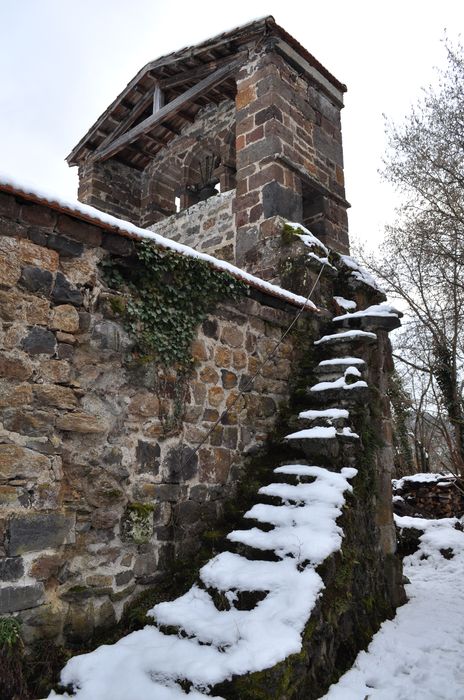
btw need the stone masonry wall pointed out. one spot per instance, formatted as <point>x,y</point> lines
<point>207,226</point>
<point>112,187</point>
<point>98,482</point>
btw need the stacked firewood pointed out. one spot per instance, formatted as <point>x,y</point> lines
<point>442,497</point>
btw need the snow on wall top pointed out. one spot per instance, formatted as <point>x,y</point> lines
<point>128,230</point>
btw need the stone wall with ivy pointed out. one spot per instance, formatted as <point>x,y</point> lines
<point>115,363</point>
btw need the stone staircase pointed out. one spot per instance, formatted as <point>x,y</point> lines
<point>250,606</point>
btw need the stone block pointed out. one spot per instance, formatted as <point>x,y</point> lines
<point>215,396</point>
<point>13,366</point>
<point>144,404</point>
<point>15,598</point>
<point>39,341</point>
<point>79,623</point>
<point>229,379</point>
<point>232,336</point>
<point>20,463</point>
<point>38,256</point>
<point>37,311</point>
<point>28,422</point>
<point>79,230</point>
<point>198,350</point>
<point>36,280</point>
<point>44,622</point>
<point>222,357</point>
<point>104,519</point>
<point>12,395</point>
<point>55,395</point>
<point>209,375</point>
<point>33,532</point>
<point>9,263</point>
<point>119,245</point>
<point>55,371</point>
<point>10,305</point>
<point>12,496</point>
<point>148,456</point>
<point>180,464</point>
<point>64,318</point>
<point>214,465</point>
<point>64,246</point>
<point>80,422</point>
<point>210,328</point>
<point>11,568</point>
<point>281,201</point>
<point>109,335</point>
<point>65,293</point>
<point>38,215</point>
<point>47,566</point>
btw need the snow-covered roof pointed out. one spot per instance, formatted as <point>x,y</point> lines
<point>91,215</point>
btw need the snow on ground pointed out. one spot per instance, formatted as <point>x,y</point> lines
<point>419,655</point>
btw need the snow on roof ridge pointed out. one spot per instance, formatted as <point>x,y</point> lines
<point>125,228</point>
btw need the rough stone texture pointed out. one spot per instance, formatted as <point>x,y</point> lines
<point>86,437</point>
<point>35,531</point>
<point>15,598</point>
<point>207,226</point>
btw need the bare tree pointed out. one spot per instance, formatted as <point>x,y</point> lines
<point>422,259</point>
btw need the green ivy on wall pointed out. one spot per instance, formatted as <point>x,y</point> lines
<point>168,296</point>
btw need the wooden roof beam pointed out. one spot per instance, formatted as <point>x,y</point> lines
<point>197,73</point>
<point>169,110</point>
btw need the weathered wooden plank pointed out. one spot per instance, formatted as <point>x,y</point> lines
<point>197,73</point>
<point>143,104</point>
<point>158,99</point>
<point>167,111</point>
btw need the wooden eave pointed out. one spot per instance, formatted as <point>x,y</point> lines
<point>176,73</point>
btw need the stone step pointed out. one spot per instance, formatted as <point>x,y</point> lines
<point>337,417</point>
<point>344,339</point>
<point>328,370</point>
<point>382,316</point>
<point>228,571</point>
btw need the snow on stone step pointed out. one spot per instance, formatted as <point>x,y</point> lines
<point>149,664</point>
<point>348,433</point>
<point>311,539</point>
<point>346,336</point>
<point>341,382</point>
<point>317,433</point>
<point>384,310</point>
<point>342,361</point>
<point>321,433</point>
<point>328,413</point>
<point>228,571</point>
<point>327,491</point>
<point>346,304</point>
<point>197,615</point>
<point>318,472</point>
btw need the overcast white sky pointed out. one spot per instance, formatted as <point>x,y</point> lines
<point>63,61</point>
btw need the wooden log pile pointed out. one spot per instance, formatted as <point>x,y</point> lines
<point>441,498</point>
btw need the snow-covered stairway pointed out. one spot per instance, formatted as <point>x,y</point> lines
<point>250,606</point>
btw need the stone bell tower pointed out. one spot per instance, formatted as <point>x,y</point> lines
<point>210,144</point>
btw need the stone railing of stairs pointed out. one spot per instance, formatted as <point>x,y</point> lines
<point>305,581</point>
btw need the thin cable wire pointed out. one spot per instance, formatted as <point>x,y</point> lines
<point>258,371</point>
